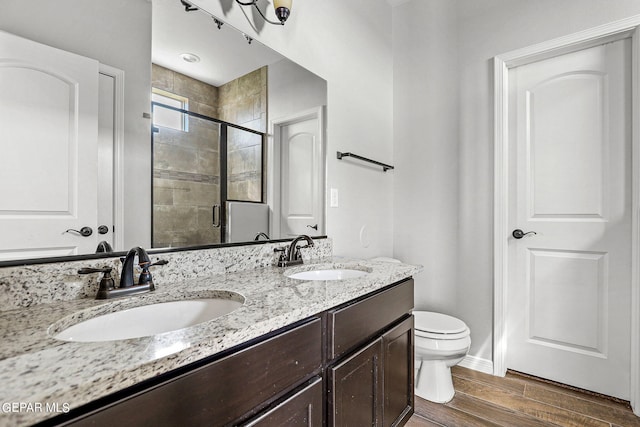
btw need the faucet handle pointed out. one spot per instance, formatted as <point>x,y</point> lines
<point>106,283</point>
<point>145,274</point>
<point>89,270</point>
<point>284,254</point>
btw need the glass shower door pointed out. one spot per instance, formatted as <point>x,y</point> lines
<point>186,185</point>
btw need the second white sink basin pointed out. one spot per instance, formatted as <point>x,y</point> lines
<point>148,320</point>
<point>328,274</point>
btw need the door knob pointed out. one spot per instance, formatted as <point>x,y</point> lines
<point>103,229</point>
<point>519,234</point>
<point>315,227</point>
<point>84,231</point>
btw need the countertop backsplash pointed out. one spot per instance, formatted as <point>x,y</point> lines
<point>28,285</point>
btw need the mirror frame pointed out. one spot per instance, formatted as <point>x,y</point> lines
<point>105,255</point>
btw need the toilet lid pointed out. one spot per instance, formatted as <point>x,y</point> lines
<point>438,323</point>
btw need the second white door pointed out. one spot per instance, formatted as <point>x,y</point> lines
<point>568,297</point>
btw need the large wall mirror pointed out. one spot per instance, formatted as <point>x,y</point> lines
<point>130,122</point>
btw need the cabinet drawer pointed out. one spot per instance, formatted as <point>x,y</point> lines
<point>303,408</point>
<point>226,390</point>
<point>356,323</point>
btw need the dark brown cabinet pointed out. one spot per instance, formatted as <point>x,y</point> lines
<point>348,366</point>
<point>398,373</point>
<point>302,409</point>
<point>373,384</point>
<point>355,387</point>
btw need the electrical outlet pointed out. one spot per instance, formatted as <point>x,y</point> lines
<point>333,202</point>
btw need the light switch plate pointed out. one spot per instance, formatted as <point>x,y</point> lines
<point>333,200</point>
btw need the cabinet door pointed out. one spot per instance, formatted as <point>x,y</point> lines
<point>302,409</point>
<point>398,373</point>
<point>355,388</point>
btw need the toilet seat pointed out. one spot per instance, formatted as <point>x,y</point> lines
<point>439,326</point>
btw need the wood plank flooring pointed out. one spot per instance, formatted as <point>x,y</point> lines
<point>518,401</point>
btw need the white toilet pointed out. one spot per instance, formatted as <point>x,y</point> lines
<point>441,342</point>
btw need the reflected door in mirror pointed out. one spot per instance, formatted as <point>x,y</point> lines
<point>48,167</point>
<point>301,175</point>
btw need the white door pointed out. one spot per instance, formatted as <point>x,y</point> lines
<point>48,166</point>
<point>568,296</point>
<point>301,175</point>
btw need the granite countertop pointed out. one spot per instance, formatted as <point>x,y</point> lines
<point>41,375</point>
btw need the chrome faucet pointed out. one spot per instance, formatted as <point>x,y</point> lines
<point>291,254</point>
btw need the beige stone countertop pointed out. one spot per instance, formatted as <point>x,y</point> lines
<point>40,375</point>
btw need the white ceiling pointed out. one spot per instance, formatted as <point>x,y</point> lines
<point>225,54</point>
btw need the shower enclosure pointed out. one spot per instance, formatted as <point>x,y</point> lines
<point>199,164</point>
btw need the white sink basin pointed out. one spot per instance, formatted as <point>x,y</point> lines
<point>148,320</point>
<point>329,274</point>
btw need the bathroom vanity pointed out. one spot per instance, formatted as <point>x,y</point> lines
<point>298,352</point>
<point>355,360</point>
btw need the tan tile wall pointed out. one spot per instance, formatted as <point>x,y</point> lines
<point>203,98</point>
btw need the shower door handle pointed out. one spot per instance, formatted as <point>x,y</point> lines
<point>216,216</point>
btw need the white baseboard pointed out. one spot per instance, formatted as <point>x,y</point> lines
<point>477,364</point>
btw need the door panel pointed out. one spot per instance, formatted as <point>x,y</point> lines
<point>561,187</point>
<point>557,318</point>
<point>568,309</point>
<point>49,166</point>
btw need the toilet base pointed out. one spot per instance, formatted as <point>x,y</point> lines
<point>433,381</point>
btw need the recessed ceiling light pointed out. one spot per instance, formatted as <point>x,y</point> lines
<point>189,57</point>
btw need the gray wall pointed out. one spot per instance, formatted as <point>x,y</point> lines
<point>444,79</point>
<point>293,89</point>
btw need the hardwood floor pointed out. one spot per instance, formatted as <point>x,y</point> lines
<point>518,401</point>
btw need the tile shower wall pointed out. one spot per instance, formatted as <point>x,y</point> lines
<point>244,102</point>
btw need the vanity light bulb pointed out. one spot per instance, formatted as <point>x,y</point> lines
<point>282,3</point>
<point>283,9</point>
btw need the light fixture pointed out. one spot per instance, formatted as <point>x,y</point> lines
<point>188,7</point>
<point>282,9</point>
